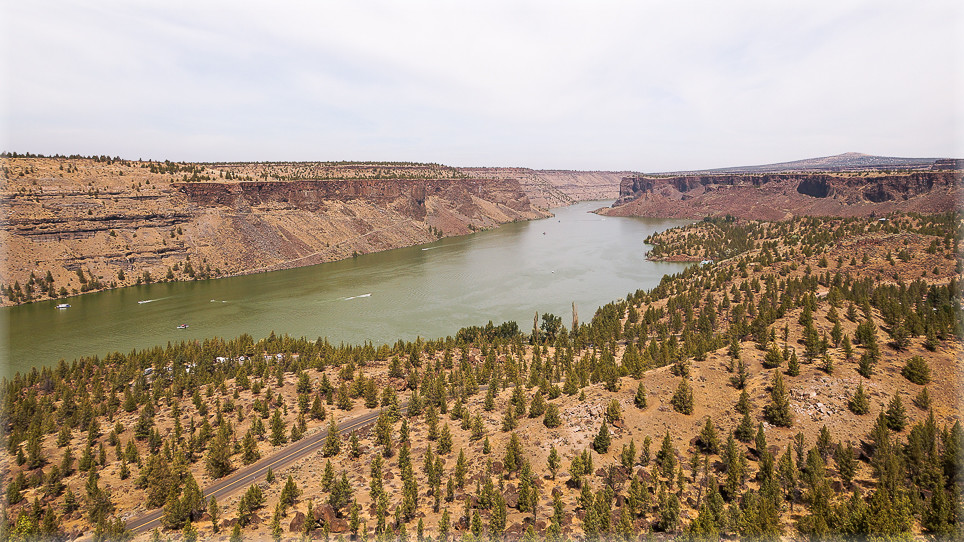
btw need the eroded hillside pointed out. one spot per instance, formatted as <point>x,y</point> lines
<point>73,225</point>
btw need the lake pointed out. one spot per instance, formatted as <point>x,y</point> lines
<point>508,273</point>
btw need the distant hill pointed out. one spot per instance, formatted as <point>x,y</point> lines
<point>848,161</point>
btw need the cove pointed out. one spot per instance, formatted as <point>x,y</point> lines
<point>508,273</point>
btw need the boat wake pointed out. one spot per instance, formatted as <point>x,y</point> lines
<point>357,296</point>
<point>431,248</point>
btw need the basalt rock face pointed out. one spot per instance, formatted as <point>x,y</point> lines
<point>113,222</point>
<point>548,189</point>
<point>775,196</point>
<point>407,196</point>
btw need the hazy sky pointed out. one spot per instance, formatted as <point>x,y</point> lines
<point>647,86</point>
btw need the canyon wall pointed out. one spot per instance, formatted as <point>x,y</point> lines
<point>548,189</point>
<point>776,196</point>
<point>96,224</point>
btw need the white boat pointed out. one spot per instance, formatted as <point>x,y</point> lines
<point>63,306</point>
<point>182,326</point>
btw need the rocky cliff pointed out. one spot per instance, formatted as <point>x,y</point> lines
<point>556,188</point>
<point>94,224</point>
<point>775,196</point>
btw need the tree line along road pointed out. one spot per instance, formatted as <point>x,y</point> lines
<point>246,476</point>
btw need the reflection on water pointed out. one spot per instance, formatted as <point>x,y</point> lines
<point>431,291</point>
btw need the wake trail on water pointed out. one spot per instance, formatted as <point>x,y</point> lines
<point>144,301</point>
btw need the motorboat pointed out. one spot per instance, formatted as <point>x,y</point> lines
<point>63,306</point>
<point>182,326</point>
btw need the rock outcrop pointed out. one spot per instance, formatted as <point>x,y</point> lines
<point>775,196</point>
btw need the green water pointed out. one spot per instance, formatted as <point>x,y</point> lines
<point>429,290</point>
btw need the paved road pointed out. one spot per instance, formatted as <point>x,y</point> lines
<point>242,478</point>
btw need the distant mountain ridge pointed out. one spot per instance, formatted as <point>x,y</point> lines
<point>848,161</point>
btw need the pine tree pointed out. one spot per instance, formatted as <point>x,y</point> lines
<point>219,456</point>
<point>552,418</point>
<point>332,441</point>
<point>189,533</point>
<point>682,400</point>
<point>602,440</point>
<point>509,421</point>
<point>461,469</point>
<point>192,499</point>
<point>640,399</point>
<point>739,380</point>
<point>917,371</point>
<point>922,400</point>
<point>859,403</point>
<point>896,414</point>
<point>489,403</point>
<point>445,440</point>
<point>778,411</point>
<point>289,493</point>
<point>278,427</point>
<point>354,446</point>
<point>773,358</point>
<point>708,440</point>
<point>249,449</point>
<point>666,457</point>
<point>793,366</point>
<point>499,515</point>
<point>214,511</point>
<point>538,405</point>
<point>744,432</point>
<point>553,461</point>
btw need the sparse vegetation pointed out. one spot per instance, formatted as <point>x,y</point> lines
<point>201,410</point>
